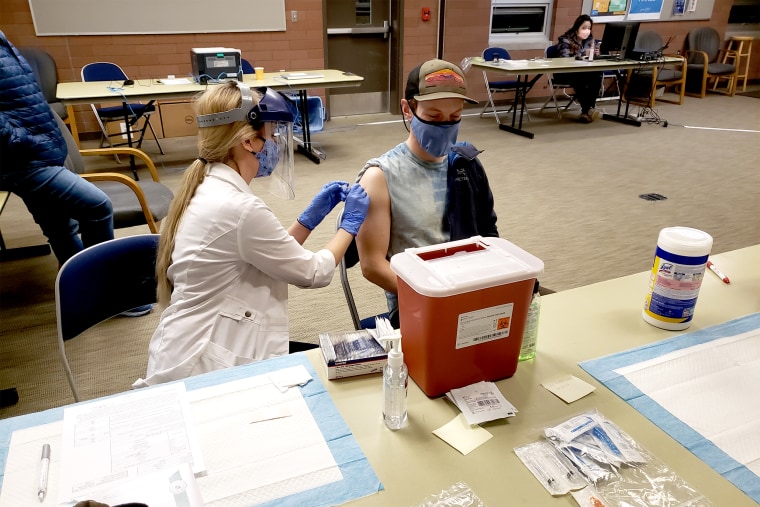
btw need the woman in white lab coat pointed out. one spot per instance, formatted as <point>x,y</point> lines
<point>224,261</point>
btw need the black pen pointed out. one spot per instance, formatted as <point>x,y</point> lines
<point>44,468</point>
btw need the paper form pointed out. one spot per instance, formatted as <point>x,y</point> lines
<point>108,442</point>
<point>249,458</point>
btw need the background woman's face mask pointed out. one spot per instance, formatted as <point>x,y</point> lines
<point>268,158</point>
<point>436,138</point>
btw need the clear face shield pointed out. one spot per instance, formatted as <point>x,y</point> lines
<point>273,120</point>
<point>281,181</point>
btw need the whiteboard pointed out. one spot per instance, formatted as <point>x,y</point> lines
<point>137,17</point>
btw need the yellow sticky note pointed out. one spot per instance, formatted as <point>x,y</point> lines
<point>569,388</point>
<point>461,436</point>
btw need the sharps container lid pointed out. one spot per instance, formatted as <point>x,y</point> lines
<point>465,265</point>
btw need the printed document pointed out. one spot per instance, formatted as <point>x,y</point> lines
<point>111,441</point>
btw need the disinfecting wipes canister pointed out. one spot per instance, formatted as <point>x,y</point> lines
<point>679,266</point>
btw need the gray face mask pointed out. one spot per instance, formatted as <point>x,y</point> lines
<point>436,138</point>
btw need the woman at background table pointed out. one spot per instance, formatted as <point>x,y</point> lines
<point>577,42</point>
<point>224,260</point>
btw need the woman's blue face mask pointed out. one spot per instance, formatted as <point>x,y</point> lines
<point>268,158</point>
<point>436,138</point>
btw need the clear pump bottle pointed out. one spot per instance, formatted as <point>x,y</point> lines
<point>530,336</point>
<point>395,380</point>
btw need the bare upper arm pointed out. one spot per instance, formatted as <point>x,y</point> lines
<point>374,236</point>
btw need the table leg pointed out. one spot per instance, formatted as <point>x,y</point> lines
<point>128,127</point>
<point>524,85</point>
<point>617,117</point>
<point>305,145</point>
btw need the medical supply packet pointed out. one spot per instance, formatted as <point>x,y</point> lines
<point>623,473</point>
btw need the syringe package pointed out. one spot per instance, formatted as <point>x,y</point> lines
<point>591,449</point>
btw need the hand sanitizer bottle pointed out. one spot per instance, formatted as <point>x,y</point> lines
<point>395,379</point>
<point>530,336</point>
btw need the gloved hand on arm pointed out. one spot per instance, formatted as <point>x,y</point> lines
<point>323,203</point>
<point>355,210</point>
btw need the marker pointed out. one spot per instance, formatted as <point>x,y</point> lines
<point>44,468</point>
<point>718,272</point>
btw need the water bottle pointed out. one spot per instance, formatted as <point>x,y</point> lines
<point>530,336</point>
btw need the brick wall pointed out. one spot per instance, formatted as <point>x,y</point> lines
<point>144,56</point>
<point>302,45</point>
<point>420,39</point>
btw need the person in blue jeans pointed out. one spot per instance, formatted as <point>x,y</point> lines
<point>72,212</point>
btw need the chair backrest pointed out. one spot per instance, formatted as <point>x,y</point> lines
<point>648,40</point>
<point>44,69</point>
<point>246,66</point>
<point>489,54</point>
<point>74,161</point>
<point>100,282</point>
<point>551,51</point>
<point>105,280</point>
<point>102,71</point>
<point>704,39</point>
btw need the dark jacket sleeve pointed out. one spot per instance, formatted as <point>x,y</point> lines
<point>469,206</point>
<point>29,134</point>
<point>564,47</point>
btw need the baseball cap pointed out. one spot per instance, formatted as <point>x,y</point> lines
<point>436,79</point>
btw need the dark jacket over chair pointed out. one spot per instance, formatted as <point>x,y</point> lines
<point>29,135</point>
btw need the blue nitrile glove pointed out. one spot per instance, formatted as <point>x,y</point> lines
<point>323,203</point>
<point>355,210</point>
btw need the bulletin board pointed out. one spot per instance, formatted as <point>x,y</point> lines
<point>137,17</point>
<point>603,11</point>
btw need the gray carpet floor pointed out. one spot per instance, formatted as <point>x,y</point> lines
<point>570,196</point>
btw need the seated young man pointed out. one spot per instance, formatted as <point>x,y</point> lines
<point>429,189</point>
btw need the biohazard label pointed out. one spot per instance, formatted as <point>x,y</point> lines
<point>484,325</point>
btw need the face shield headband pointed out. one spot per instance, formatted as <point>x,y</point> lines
<point>273,119</point>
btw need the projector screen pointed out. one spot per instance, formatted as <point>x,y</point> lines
<point>137,17</point>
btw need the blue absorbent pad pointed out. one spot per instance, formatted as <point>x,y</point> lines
<point>603,369</point>
<point>359,479</point>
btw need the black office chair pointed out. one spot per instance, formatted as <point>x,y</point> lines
<point>101,282</point>
<point>131,113</point>
<point>46,72</point>
<point>494,54</point>
<point>555,83</point>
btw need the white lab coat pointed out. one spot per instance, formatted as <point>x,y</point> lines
<point>231,267</point>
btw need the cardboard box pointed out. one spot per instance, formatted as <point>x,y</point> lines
<point>178,119</point>
<point>351,354</point>
<point>463,306</point>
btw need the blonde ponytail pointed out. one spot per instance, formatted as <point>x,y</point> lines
<point>214,145</point>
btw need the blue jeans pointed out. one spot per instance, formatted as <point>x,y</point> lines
<point>65,206</point>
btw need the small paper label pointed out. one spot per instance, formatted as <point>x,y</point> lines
<point>484,325</point>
